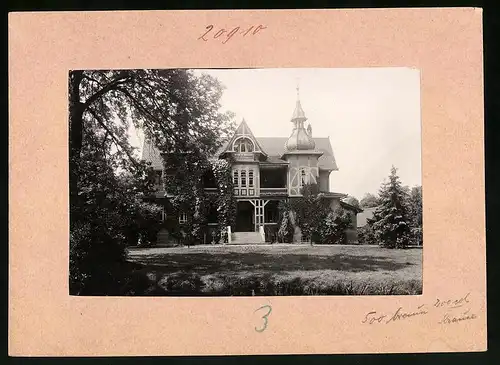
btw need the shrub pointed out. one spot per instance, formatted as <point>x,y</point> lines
<point>366,236</point>
<point>286,230</point>
<point>332,229</point>
<point>95,256</point>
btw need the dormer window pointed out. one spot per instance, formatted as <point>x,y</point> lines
<point>243,145</point>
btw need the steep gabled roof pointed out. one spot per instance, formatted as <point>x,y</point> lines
<point>275,146</point>
<point>272,146</point>
<point>243,130</point>
<point>151,154</point>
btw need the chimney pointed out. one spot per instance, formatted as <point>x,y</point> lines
<point>309,130</point>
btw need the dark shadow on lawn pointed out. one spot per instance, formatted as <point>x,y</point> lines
<point>203,263</point>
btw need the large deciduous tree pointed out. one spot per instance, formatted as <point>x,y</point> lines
<point>352,200</point>
<point>369,201</point>
<point>178,111</point>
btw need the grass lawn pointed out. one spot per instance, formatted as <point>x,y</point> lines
<point>279,270</point>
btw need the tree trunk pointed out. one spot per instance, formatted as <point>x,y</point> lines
<point>75,132</point>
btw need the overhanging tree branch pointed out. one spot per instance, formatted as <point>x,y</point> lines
<point>117,142</point>
<point>111,86</point>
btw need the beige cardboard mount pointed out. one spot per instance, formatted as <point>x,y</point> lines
<point>444,44</point>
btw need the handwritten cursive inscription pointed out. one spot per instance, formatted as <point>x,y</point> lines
<point>452,303</point>
<point>225,35</point>
<point>401,315</point>
<point>398,315</point>
<point>448,306</point>
<point>465,316</point>
<point>372,317</point>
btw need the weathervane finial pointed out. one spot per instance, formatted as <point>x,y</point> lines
<point>298,89</point>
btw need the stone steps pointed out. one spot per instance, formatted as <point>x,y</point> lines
<point>246,238</point>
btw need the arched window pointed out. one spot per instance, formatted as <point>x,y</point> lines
<point>243,145</point>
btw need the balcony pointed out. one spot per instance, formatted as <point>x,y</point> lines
<point>274,192</point>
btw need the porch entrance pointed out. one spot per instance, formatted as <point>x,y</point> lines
<point>245,217</point>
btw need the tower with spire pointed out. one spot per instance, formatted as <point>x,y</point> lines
<point>300,152</point>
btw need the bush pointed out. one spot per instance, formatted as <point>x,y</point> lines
<point>366,236</point>
<point>416,237</point>
<point>95,256</point>
<point>286,230</point>
<point>332,229</point>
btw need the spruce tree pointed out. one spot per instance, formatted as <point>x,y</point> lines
<point>390,220</point>
<point>415,212</point>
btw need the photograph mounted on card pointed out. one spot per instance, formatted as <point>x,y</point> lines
<point>228,206</point>
<point>253,186</point>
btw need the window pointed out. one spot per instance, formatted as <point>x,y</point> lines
<point>158,178</point>
<point>243,178</point>
<point>250,178</point>
<point>235,178</point>
<point>243,145</point>
<point>182,218</point>
<point>302,181</point>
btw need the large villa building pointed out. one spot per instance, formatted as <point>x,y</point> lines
<point>266,170</point>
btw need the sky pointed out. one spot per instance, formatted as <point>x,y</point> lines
<point>371,116</point>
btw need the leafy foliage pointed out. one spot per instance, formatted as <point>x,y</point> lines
<point>366,235</point>
<point>369,201</point>
<point>185,182</point>
<point>310,210</point>
<point>286,229</point>
<point>332,230</point>
<point>351,200</point>
<point>226,204</point>
<point>109,215</point>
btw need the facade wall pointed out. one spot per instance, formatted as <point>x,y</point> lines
<point>324,180</point>
<point>299,163</point>
<point>246,179</point>
<point>335,203</point>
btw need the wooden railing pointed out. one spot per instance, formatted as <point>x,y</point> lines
<point>273,191</point>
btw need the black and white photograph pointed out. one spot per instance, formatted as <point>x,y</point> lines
<point>245,182</point>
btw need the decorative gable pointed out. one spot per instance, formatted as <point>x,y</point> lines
<point>243,146</point>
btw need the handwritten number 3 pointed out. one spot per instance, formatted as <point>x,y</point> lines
<point>264,317</point>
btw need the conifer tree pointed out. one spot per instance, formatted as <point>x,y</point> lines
<point>415,210</point>
<point>390,220</point>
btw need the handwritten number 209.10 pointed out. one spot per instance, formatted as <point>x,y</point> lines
<point>264,317</point>
<point>227,35</point>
